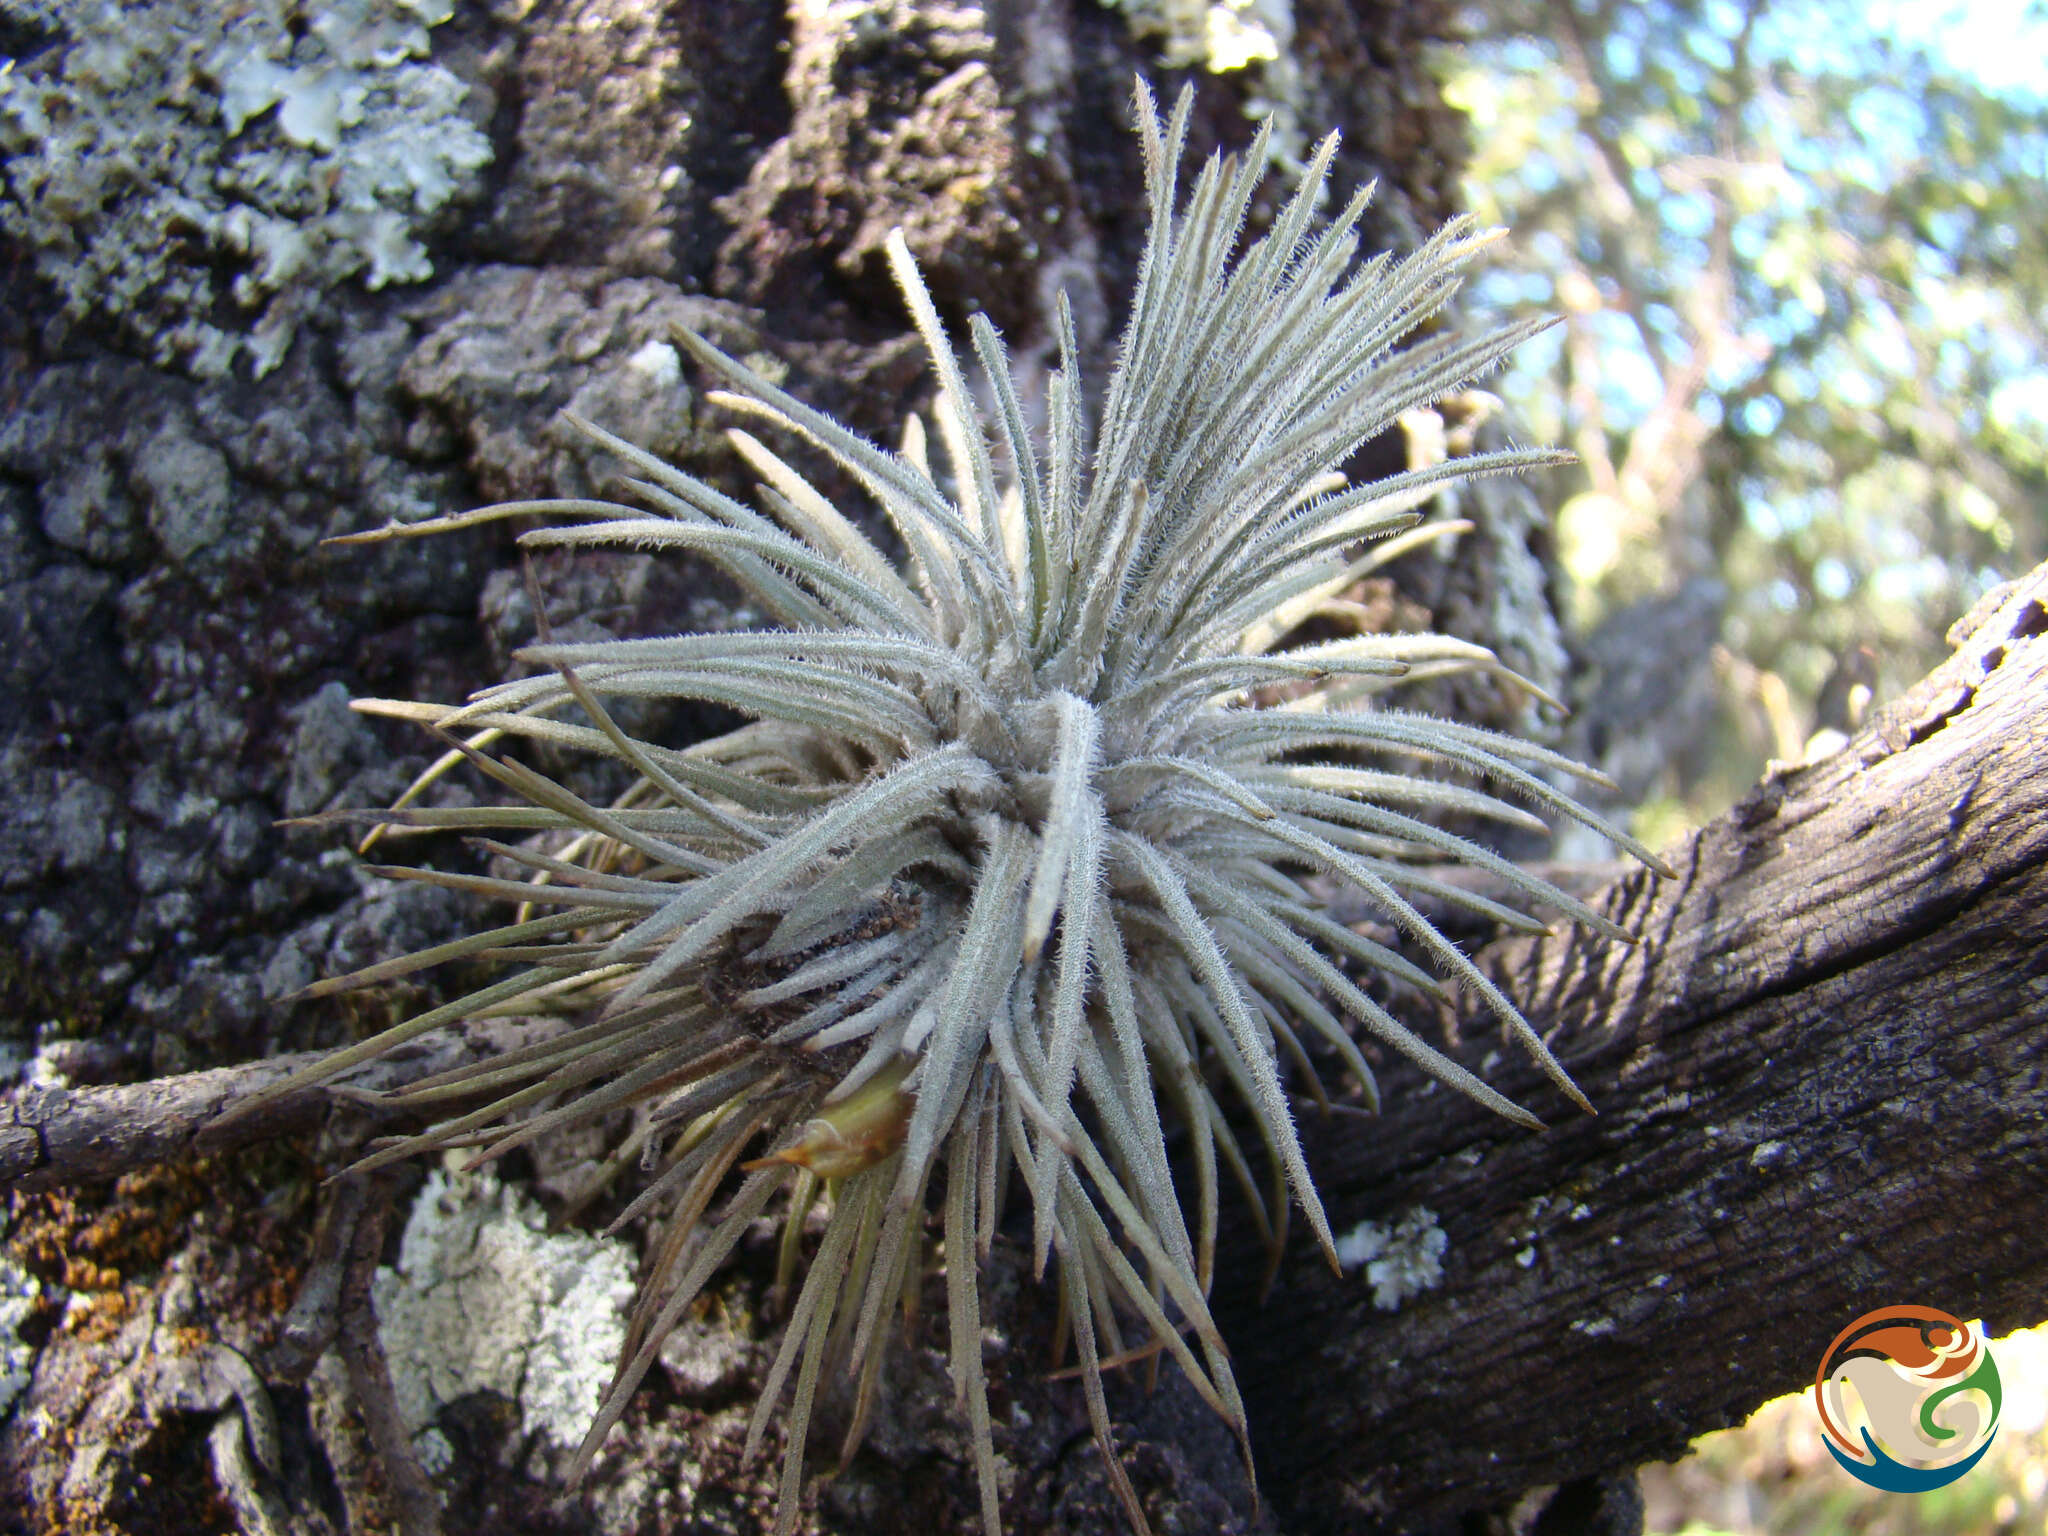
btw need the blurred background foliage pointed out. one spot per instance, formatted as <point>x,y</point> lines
<point>1773,1475</point>
<point>1799,250</point>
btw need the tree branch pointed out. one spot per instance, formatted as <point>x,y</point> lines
<point>1822,1078</point>
<point>56,1136</point>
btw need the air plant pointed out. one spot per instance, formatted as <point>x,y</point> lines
<point>1009,866</point>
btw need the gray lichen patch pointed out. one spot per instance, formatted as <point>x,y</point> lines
<point>201,174</point>
<point>1399,1261</point>
<point>19,1292</point>
<point>189,490</point>
<point>485,1299</point>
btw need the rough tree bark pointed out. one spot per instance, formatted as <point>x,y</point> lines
<point>1822,1077</point>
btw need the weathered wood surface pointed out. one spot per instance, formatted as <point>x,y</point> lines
<point>1822,1078</point>
<point>52,1137</point>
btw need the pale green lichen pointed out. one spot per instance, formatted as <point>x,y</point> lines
<point>19,1293</point>
<point>203,174</point>
<point>1216,35</point>
<point>485,1299</point>
<point>1399,1261</point>
<point>1224,37</point>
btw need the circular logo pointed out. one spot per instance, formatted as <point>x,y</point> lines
<point>1908,1398</point>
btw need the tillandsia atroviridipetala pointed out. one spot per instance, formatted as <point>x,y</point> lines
<point>1007,866</point>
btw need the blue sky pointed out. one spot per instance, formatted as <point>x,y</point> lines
<point>2003,44</point>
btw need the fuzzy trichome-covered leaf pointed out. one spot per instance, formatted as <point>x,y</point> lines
<point>1007,870</point>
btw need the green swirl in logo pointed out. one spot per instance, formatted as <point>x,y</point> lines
<point>1909,1398</point>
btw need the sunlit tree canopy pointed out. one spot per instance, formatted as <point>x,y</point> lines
<point>1799,251</point>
